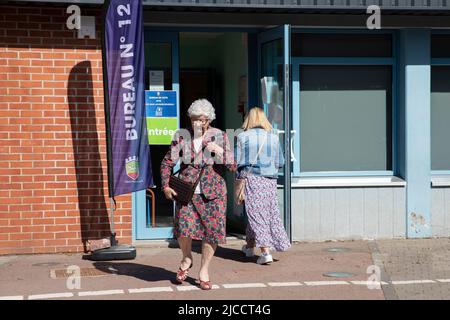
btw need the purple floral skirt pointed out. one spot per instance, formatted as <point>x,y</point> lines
<point>264,228</point>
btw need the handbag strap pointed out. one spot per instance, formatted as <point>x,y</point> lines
<point>201,171</point>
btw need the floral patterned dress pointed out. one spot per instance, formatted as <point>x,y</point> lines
<point>204,218</point>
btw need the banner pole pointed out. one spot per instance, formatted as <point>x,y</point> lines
<point>108,126</point>
<point>113,230</point>
<point>106,106</point>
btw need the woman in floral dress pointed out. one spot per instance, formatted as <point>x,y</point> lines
<point>203,218</point>
<point>259,157</point>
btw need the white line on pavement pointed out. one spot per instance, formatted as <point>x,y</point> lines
<point>226,286</point>
<point>413,281</point>
<point>155,289</point>
<point>51,296</point>
<point>187,288</point>
<point>325,283</point>
<point>243,285</point>
<point>369,283</point>
<point>284,284</point>
<point>11,298</point>
<point>99,293</point>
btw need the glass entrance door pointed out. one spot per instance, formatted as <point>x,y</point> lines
<point>275,96</point>
<point>153,213</point>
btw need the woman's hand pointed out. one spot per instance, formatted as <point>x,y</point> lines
<point>213,147</point>
<point>169,193</point>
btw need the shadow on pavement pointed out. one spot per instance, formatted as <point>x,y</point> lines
<point>140,271</point>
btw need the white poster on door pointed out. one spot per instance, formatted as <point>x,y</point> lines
<point>156,80</point>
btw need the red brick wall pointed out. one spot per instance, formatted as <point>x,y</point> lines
<point>53,171</point>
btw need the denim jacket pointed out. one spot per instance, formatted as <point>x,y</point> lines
<point>269,160</point>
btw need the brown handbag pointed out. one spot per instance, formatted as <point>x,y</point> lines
<point>239,183</point>
<point>185,190</point>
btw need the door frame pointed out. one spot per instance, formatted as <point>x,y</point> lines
<point>140,229</point>
<point>282,32</point>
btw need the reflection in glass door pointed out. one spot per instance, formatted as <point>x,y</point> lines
<point>275,97</point>
<point>153,213</point>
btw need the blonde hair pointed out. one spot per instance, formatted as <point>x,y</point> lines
<point>256,119</point>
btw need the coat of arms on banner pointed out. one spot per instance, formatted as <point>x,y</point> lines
<point>132,167</point>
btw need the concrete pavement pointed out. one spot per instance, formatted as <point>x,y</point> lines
<point>409,269</point>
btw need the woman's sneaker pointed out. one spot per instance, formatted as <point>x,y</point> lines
<point>249,252</point>
<point>265,258</point>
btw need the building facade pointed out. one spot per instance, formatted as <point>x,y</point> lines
<point>367,110</point>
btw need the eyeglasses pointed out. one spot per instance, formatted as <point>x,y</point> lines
<point>200,120</point>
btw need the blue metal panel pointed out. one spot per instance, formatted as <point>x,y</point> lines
<point>416,69</point>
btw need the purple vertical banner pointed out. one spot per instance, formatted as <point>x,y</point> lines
<point>129,166</point>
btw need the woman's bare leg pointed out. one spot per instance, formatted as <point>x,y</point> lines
<point>265,250</point>
<point>208,250</point>
<point>186,249</point>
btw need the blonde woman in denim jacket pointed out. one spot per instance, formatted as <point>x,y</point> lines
<point>259,157</point>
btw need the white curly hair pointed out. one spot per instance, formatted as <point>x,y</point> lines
<point>202,107</point>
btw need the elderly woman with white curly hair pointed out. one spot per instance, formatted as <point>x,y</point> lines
<point>203,152</point>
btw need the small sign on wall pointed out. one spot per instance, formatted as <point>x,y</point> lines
<point>87,27</point>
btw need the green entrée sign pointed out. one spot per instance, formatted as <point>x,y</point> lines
<point>162,116</point>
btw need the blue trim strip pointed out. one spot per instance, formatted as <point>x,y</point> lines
<point>346,173</point>
<point>440,61</point>
<point>299,29</point>
<point>440,172</point>
<point>342,60</point>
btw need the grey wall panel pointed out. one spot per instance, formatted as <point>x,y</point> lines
<point>386,209</point>
<point>356,220</point>
<point>298,219</point>
<point>348,213</point>
<point>342,213</point>
<point>327,217</point>
<point>312,214</point>
<point>371,210</point>
<point>399,224</point>
<point>440,212</point>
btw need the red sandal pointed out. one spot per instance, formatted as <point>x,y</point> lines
<point>182,274</point>
<point>205,285</point>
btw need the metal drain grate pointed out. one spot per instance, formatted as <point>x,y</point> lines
<point>337,249</point>
<point>84,272</point>
<point>339,274</point>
